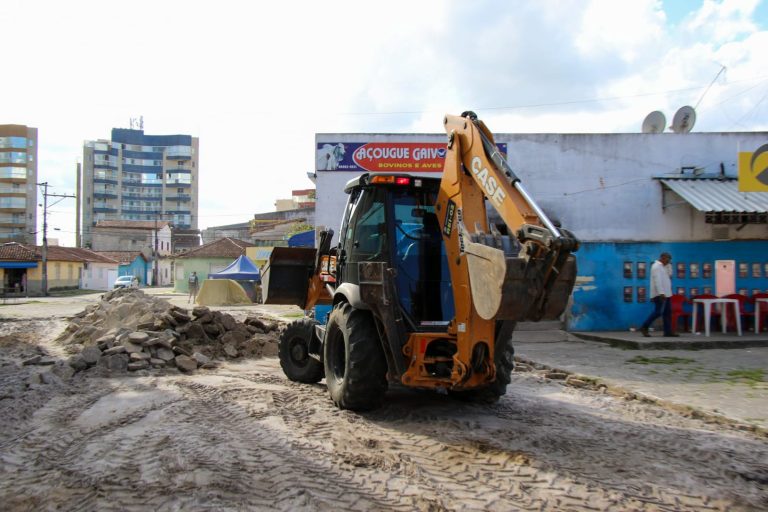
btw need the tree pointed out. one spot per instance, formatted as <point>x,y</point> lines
<point>298,227</point>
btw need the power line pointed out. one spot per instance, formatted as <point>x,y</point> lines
<point>44,254</point>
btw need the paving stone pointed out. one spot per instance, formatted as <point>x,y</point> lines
<point>32,360</point>
<point>78,363</point>
<point>138,365</point>
<point>230,350</point>
<point>165,354</point>
<point>185,363</point>
<point>140,356</point>
<point>91,355</point>
<point>200,358</point>
<point>119,349</point>
<point>116,362</point>
<point>131,347</point>
<point>138,337</point>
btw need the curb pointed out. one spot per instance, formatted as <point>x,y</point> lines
<point>597,384</point>
<point>672,344</point>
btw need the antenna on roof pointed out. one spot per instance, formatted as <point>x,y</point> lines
<point>654,122</point>
<point>136,123</point>
<point>684,120</point>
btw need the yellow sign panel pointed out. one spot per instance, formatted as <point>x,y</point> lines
<point>753,170</point>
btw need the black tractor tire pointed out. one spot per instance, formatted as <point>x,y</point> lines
<point>293,350</point>
<point>504,359</point>
<point>355,365</point>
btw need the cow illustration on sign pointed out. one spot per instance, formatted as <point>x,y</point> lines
<point>329,157</point>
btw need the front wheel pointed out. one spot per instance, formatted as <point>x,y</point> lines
<point>355,366</point>
<point>293,350</point>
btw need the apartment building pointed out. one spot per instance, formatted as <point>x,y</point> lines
<point>139,177</point>
<point>18,183</point>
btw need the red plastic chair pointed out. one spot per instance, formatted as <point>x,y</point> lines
<point>677,304</point>
<point>763,310</point>
<point>747,313</point>
<point>714,316</point>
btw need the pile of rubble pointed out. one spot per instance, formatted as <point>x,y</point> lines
<point>130,331</point>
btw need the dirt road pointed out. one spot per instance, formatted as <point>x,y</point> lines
<point>242,437</point>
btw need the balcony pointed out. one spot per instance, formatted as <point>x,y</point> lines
<point>139,183</point>
<point>141,197</point>
<point>103,209</point>
<point>141,209</point>
<point>106,181</point>
<point>179,198</point>
<point>12,224</point>
<point>177,183</point>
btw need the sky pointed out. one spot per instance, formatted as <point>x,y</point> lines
<point>255,81</point>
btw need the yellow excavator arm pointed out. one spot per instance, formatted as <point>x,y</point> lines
<point>527,274</point>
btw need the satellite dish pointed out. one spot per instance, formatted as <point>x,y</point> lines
<point>684,120</point>
<point>654,122</point>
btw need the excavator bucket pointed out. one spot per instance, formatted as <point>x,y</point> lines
<point>511,288</point>
<point>285,279</point>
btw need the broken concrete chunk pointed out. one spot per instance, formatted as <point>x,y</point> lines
<point>78,363</point>
<point>131,347</point>
<point>119,349</point>
<point>116,362</point>
<point>51,379</point>
<point>138,365</point>
<point>199,311</point>
<point>32,360</point>
<point>230,350</point>
<point>91,355</point>
<point>165,354</point>
<point>186,363</point>
<point>138,337</point>
<point>179,315</point>
<point>228,322</point>
<point>212,329</point>
<point>200,358</point>
<point>182,351</point>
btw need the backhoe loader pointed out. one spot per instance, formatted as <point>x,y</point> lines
<point>424,290</point>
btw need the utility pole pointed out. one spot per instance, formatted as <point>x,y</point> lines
<point>46,195</point>
<point>157,255</point>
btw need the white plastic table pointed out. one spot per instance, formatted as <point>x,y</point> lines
<point>707,306</point>
<point>758,303</point>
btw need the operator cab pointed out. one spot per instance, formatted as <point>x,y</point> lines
<point>391,218</point>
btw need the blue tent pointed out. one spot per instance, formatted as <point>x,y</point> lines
<point>240,270</point>
<point>303,239</point>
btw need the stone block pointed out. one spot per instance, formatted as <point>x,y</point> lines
<point>200,358</point>
<point>138,365</point>
<point>165,354</point>
<point>91,355</point>
<point>119,349</point>
<point>185,363</point>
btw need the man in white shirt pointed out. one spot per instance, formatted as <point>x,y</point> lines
<point>661,291</point>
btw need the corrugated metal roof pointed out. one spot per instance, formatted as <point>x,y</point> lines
<point>718,196</point>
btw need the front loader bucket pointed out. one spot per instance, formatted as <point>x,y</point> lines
<point>285,279</point>
<point>510,288</point>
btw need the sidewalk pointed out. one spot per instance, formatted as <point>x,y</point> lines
<point>728,380</point>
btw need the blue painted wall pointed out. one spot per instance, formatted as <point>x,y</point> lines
<point>138,267</point>
<point>599,298</point>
